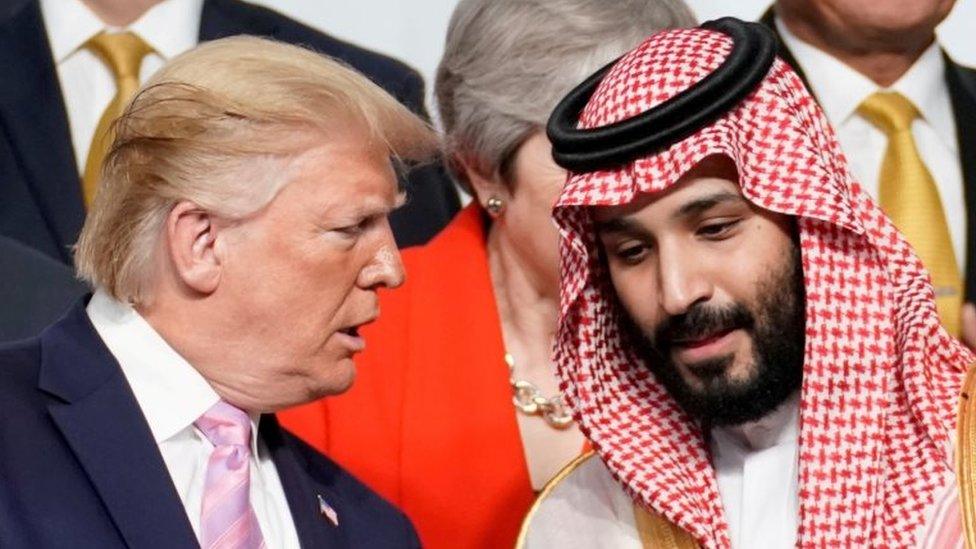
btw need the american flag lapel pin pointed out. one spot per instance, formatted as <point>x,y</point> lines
<point>327,511</point>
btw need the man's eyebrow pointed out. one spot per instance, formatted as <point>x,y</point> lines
<point>705,203</point>
<point>342,214</point>
<point>626,224</point>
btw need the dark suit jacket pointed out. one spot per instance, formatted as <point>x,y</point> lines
<point>40,193</point>
<point>79,466</point>
<point>961,82</point>
<point>35,290</point>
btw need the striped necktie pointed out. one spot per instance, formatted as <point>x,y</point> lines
<point>227,520</point>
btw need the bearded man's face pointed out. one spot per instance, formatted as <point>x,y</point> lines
<point>712,288</point>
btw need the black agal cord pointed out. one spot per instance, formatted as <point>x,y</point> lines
<point>584,150</point>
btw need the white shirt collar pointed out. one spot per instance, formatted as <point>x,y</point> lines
<point>170,27</point>
<point>69,24</point>
<point>781,426</point>
<point>840,89</point>
<point>924,84</point>
<point>171,393</point>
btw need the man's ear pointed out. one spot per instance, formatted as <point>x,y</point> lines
<point>192,238</point>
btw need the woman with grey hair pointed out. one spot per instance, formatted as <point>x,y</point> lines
<point>456,415</point>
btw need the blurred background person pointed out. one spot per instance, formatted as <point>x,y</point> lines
<point>417,36</point>
<point>456,414</point>
<point>905,114</point>
<point>71,65</point>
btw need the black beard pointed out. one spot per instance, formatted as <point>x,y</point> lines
<point>776,325</point>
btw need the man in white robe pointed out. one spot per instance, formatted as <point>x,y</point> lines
<point>749,343</point>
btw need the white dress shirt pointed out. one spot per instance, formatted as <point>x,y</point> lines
<point>840,90</point>
<point>87,84</point>
<point>172,395</point>
<point>756,465</point>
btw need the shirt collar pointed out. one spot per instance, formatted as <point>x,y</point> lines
<point>924,84</point>
<point>69,24</point>
<point>170,27</point>
<point>841,89</point>
<point>781,426</point>
<point>171,393</point>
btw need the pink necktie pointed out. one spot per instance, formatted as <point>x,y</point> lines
<point>227,520</point>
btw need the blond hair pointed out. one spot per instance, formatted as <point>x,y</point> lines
<point>219,126</point>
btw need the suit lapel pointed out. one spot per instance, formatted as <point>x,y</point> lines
<point>33,114</point>
<point>99,417</point>
<point>962,93</point>
<point>302,490</point>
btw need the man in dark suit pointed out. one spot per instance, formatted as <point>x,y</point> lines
<point>35,290</point>
<point>844,51</point>
<point>236,246</point>
<point>45,130</point>
<point>81,468</point>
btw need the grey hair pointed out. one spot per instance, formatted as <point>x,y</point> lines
<point>507,63</point>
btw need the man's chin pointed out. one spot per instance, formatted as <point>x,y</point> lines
<point>722,392</point>
<point>704,376</point>
<point>334,378</point>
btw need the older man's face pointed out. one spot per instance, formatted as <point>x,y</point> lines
<point>883,21</point>
<point>713,289</point>
<point>301,277</point>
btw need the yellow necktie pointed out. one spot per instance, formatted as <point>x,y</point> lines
<point>909,196</point>
<point>123,54</point>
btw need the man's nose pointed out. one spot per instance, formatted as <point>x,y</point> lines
<point>386,267</point>
<point>683,281</point>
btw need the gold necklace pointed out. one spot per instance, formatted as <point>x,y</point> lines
<point>529,400</point>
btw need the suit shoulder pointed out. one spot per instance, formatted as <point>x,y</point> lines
<point>395,76</point>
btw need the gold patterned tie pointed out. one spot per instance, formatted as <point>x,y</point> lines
<point>123,54</point>
<point>909,196</point>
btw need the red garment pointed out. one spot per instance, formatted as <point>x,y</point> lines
<point>429,421</point>
<point>881,376</point>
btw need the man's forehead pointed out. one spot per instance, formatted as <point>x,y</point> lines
<point>348,179</point>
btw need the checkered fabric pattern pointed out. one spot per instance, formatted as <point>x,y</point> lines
<point>881,376</point>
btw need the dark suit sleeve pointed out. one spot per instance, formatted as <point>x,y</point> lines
<point>410,91</point>
<point>35,290</point>
<point>961,82</point>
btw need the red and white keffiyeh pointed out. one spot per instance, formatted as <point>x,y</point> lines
<point>881,377</point>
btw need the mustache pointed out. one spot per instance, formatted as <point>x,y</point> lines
<point>701,321</point>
